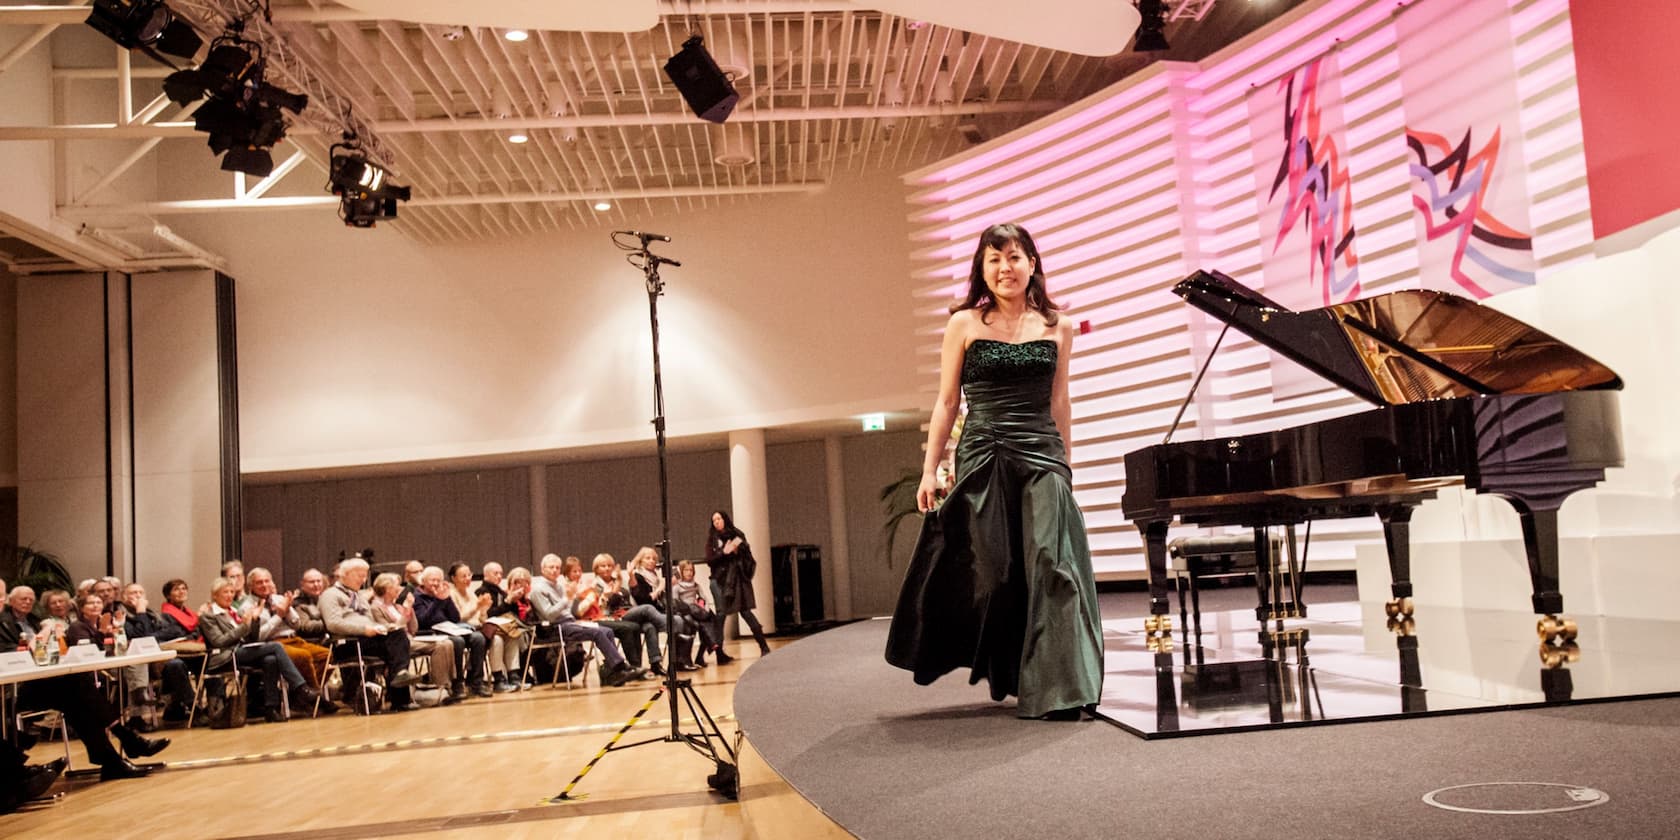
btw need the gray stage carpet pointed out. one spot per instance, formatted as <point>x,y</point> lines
<point>886,758</point>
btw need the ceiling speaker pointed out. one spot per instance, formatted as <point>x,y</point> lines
<point>705,88</point>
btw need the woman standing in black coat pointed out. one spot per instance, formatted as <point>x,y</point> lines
<point>730,557</point>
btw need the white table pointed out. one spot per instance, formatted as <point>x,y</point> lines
<point>18,667</point>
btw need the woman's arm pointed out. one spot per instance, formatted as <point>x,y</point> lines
<point>1061,406</point>
<point>945,405</point>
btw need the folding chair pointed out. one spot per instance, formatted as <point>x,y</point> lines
<point>362,663</point>
<point>557,643</point>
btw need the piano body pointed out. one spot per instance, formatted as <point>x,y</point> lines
<point>1465,395</point>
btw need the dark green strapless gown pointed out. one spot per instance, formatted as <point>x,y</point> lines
<point>1000,581</point>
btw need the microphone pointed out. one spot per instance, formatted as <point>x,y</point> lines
<point>645,237</point>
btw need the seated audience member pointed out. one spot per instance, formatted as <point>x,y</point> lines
<point>92,624</point>
<point>615,608</point>
<point>20,782</point>
<point>433,606</point>
<point>691,603</point>
<point>114,586</point>
<point>16,620</point>
<point>84,707</point>
<point>553,605</point>
<point>144,622</point>
<point>411,579</point>
<point>311,627</point>
<point>232,634</point>
<point>177,612</point>
<point>348,615</point>
<point>392,606</point>
<point>512,618</point>
<point>279,622</point>
<point>470,604</point>
<point>234,572</point>
<point>491,583</point>
<point>56,605</point>
<point>588,605</point>
<point>84,587</point>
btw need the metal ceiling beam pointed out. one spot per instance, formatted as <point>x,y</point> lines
<point>108,131</point>
<point>218,205</point>
<point>59,15</point>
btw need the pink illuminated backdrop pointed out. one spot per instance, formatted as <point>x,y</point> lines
<point>1131,189</point>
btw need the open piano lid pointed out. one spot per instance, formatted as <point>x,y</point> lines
<point>1406,346</point>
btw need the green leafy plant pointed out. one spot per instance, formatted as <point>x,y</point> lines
<point>898,501</point>
<point>38,570</point>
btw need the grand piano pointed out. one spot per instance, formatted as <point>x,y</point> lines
<point>1465,394</point>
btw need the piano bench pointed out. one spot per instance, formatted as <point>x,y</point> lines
<point>1193,559</point>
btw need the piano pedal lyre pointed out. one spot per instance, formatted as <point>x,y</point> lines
<point>1159,644</point>
<point>1550,627</point>
<point>1399,607</point>
<point>1158,625</point>
<point>1554,655</point>
<point>1402,626</point>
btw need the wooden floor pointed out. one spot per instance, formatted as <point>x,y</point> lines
<point>484,768</point>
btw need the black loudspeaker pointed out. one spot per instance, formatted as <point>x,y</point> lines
<point>704,87</point>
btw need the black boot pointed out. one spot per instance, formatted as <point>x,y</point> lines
<point>685,653</point>
<point>122,768</point>
<point>135,745</point>
<point>723,657</point>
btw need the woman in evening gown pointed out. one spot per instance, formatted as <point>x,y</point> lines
<point>1000,581</point>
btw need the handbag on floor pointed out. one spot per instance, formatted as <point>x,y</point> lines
<point>224,702</point>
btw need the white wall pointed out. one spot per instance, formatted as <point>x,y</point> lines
<point>177,454</point>
<point>8,379</point>
<point>359,346</point>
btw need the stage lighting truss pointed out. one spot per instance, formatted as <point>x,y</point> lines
<point>365,189</point>
<point>148,25</point>
<point>242,115</point>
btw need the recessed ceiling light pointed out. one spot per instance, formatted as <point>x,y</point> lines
<point>516,34</point>
<point>517,137</point>
<point>603,206</point>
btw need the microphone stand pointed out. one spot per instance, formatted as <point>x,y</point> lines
<point>726,778</point>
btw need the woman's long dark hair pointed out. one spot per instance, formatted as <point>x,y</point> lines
<point>979,297</point>
<point>729,528</point>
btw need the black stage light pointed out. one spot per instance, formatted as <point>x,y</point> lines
<point>704,87</point>
<point>224,73</point>
<point>249,160</point>
<point>365,212</point>
<point>277,97</point>
<point>368,194</point>
<point>145,24</point>
<point>1151,35</point>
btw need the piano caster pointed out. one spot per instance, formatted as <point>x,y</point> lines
<point>1550,627</point>
<point>1402,626</point>
<point>1158,625</point>
<point>1398,607</point>
<point>1555,655</point>
<point>1160,644</point>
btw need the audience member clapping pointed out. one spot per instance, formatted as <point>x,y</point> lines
<point>279,620</point>
<point>554,605</point>
<point>393,605</point>
<point>434,608</point>
<point>509,622</point>
<point>234,634</point>
<point>349,615</point>
<point>311,626</point>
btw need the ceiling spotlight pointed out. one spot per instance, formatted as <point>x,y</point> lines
<point>518,137</point>
<point>516,35</point>
<point>1151,34</point>
<point>603,206</point>
<point>250,160</point>
<point>144,24</point>
<point>365,188</point>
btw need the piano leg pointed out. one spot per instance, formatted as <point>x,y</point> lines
<point>1397,535</point>
<point>1540,540</point>
<point>1155,548</point>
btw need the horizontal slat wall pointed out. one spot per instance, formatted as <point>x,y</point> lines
<point>1129,190</point>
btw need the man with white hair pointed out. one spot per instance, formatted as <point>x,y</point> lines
<point>15,619</point>
<point>433,606</point>
<point>347,615</point>
<point>548,596</point>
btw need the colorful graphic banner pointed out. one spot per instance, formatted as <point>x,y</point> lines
<point>1302,184</point>
<point>1458,77</point>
